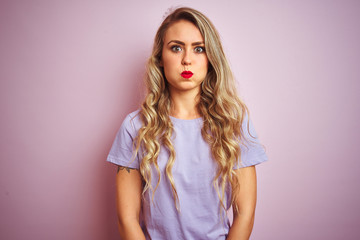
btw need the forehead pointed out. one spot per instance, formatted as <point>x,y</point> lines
<point>184,31</point>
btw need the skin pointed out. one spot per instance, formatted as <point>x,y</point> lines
<point>183,50</point>
<point>246,202</point>
<point>128,200</point>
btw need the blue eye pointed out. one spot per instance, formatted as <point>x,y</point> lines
<point>176,48</point>
<point>199,49</point>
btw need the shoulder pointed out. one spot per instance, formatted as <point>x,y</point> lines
<point>131,125</point>
<point>122,150</point>
<point>252,151</point>
<point>132,121</point>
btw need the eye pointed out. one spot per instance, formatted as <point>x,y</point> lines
<point>176,48</point>
<point>199,49</point>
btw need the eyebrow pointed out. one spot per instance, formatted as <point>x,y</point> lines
<point>182,43</point>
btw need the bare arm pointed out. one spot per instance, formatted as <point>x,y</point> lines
<point>246,202</point>
<point>129,189</point>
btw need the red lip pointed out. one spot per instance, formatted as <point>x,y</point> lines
<point>187,74</point>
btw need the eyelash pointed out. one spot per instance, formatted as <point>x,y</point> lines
<point>173,48</point>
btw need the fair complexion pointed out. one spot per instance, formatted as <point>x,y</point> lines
<point>184,50</point>
<point>128,200</point>
<point>246,202</point>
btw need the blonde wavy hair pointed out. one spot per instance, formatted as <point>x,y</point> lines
<point>220,107</point>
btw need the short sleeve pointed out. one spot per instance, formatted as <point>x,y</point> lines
<point>123,150</point>
<point>252,151</point>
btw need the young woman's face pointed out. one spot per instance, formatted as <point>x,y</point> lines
<point>183,57</point>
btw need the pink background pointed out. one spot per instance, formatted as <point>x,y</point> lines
<point>71,70</point>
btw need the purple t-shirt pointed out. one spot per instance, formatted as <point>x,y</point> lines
<point>193,171</point>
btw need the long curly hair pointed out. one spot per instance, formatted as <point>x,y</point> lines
<point>220,107</point>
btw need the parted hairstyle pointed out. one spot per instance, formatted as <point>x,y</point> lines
<point>219,106</point>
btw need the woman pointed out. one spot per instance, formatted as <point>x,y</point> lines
<point>190,152</point>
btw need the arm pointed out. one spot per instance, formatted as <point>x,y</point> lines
<point>246,203</point>
<point>129,188</point>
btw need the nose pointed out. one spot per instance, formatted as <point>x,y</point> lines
<point>186,58</point>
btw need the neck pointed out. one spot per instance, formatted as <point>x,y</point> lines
<point>184,105</point>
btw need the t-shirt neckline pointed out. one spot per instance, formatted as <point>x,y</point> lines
<point>189,121</point>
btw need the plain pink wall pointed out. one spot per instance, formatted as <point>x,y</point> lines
<point>71,70</point>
